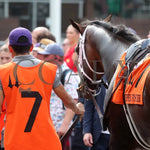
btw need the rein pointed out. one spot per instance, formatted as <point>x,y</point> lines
<point>100,115</point>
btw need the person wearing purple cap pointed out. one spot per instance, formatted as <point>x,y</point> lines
<point>26,84</point>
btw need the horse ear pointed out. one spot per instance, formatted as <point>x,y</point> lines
<point>108,19</point>
<point>77,26</point>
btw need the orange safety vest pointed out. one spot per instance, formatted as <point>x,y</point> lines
<point>2,116</point>
<point>27,91</point>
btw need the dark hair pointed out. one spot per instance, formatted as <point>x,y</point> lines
<point>21,49</point>
<point>45,35</point>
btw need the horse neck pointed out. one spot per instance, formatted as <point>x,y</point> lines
<point>110,58</point>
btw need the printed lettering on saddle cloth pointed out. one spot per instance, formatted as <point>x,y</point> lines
<point>135,83</point>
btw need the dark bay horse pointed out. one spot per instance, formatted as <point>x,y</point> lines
<point>100,49</point>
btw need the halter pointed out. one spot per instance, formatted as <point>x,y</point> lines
<point>82,53</point>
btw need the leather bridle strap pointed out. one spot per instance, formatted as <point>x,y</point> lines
<point>100,115</point>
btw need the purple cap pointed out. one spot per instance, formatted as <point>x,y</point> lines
<point>16,33</point>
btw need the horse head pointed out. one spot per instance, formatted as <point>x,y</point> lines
<point>90,67</point>
<point>99,44</point>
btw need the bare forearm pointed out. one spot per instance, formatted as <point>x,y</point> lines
<point>70,103</point>
<point>66,122</point>
<point>68,117</point>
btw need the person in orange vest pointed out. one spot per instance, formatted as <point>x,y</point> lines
<point>26,84</point>
<point>5,57</point>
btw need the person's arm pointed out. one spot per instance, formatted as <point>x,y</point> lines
<point>69,114</point>
<point>1,99</point>
<point>88,139</point>
<point>68,100</point>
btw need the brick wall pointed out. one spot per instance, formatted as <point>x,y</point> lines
<point>6,25</point>
<point>142,27</point>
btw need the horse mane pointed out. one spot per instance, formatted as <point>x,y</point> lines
<point>120,30</point>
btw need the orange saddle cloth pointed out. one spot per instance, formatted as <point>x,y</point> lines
<point>134,85</point>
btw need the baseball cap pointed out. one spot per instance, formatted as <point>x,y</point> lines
<point>16,34</point>
<point>52,49</point>
<point>42,44</point>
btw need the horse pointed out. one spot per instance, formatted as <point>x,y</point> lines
<point>100,48</point>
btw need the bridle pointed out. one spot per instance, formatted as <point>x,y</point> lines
<point>82,56</point>
<point>84,86</point>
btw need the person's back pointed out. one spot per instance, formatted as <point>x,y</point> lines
<point>27,99</point>
<point>26,83</point>
<point>23,116</point>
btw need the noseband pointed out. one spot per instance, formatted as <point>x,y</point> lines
<point>82,56</point>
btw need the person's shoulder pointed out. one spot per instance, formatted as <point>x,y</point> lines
<point>48,64</point>
<point>5,66</point>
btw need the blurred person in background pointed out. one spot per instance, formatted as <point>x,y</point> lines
<point>40,47</point>
<point>61,116</point>
<point>148,35</point>
<point>39,33</point>
<point>5,55</point>
<point>73,36</point>
<point>73,78</point>
<point>65,45</point>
